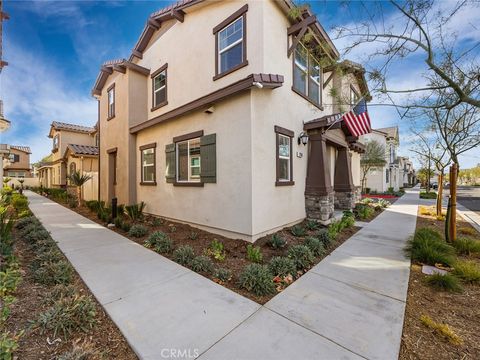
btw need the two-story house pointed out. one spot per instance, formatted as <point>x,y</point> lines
<point>381,178</point>
<point>74,148</point>
<point>17,163</point>
<point>223,117</point>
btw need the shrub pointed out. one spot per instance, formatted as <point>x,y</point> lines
<point>324,237</point>
<point>172,228</point>
<point>8,344</point>
<point>282,266</point>
<point>222,274</point>
<point>254,254</point>
<point>348,220</point>
<point>160,242</point>
<point>22,223</point>
<point>301,255</point>
<point>257,279</point>
<point>277,242</point>
<point>19,202</point>
<point>24,213</point>
<point>363,212</point>
<point>69,314</point>
<point>428,195</point>
<point>193,235</point>
<point>315,245</point>
<point>137,231</point>
<point>441,329</point>
<point>135,211</point>
<point>126,226</point>
<point>444,282</point>
<point>60,291</point>
<point>312,225</point>
<point>184,255</point>
<point>35,236</point>
<point>53,273</point>
<point>48,255</point>
<point>217,250</point>
<point>118,221</point>
<point>83,351</point>
<point>468,271</point>
<point>334,229</point>
<point>156,221</point>
<point>427,247</point>
<point>467,231</point>
<point>9,280</point>
<point>466,246</point>
<point>298,231</point>
<point>28,228</point>
<point>202,263</point>
<point>383,203</point>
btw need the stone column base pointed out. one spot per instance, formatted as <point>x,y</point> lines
<point>320,207</point>
<point>345,200</point>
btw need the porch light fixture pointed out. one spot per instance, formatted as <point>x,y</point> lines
<point>302,138</point>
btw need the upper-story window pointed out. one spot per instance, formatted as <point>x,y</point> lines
<point>55,142</point>
<point>159,87</point>
<point>354,97</point>
<point>392,153</point>
<point>111,101</point>
<point>307,75</point>
<point>231,49</point>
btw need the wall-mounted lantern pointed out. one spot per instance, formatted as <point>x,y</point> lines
<point>302,138</point>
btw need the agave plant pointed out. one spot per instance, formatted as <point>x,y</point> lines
<point>79,180</point>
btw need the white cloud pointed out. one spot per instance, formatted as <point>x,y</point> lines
<point>35,93</point>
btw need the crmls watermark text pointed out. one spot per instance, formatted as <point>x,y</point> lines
<point>179,353</point>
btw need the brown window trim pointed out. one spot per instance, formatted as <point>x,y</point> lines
<point>154,74</point>
<point>112,150</point>
<point>242,12</point>
<point>188,184</point>
<point>320,87</point>
<point>146,147</point>
<point>282,131</point>
<point>188,136</point>
<point>111,116</point>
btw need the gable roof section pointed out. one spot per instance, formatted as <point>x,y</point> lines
<point>120,65</point>
<point>57,125</point>
<point>392,132</point>
<point>86,150</point>
<point>25,149</point>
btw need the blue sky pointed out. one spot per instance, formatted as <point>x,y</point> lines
<point>54,50</point>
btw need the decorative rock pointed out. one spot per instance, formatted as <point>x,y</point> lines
<point>431,270</point>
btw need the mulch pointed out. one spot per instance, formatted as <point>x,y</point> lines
<point>105,337</point>
<point>460,311</point>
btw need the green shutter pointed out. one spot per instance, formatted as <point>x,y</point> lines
<point>170,165</point>
<point>208,156</point>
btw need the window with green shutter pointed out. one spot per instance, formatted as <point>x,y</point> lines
<point>192,159</point>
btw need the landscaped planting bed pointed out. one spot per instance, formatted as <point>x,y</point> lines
<point>47,311</point>
<point>442,318</point>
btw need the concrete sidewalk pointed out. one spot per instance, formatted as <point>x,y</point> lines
<point>350,306</point>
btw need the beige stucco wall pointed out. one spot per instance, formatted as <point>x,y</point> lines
<point>226,205</point>
<point>22,164</point>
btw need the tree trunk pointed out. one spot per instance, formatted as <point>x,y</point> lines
<point>428,176</point>
<point>79,194</point>
<point>453,202</point>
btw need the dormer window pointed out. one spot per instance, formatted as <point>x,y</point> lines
<point>55,142</point>
<point>111,101</point>
<point>307,75</point>
<point>159,87</point>
<point>354,97</point>
<point>230,40</point>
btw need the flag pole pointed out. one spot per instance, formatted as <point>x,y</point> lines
<point>343,114</point>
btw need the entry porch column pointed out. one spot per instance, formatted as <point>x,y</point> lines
<point>344,188</point>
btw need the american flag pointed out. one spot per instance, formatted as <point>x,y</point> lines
<point>357,120</point>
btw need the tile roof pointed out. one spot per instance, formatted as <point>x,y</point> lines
<point>177,5</point>
<point>83,149</point>
<point>72,127</point>
<point>21,148</point>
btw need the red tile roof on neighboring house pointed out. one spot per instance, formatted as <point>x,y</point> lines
<point>21,148</point>
<point>83,149</point>
<point>72,127</point>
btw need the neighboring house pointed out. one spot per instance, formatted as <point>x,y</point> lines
<point>223,119</point>
<point>17,163</point>
<point>74,148</point>
<point>382,178</point>
<point>407,172</point>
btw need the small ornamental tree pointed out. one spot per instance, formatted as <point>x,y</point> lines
<point>373,157</point>
<point>79,180</point>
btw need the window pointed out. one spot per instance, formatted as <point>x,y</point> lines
<point>97,140</point>
<point>188,160</point>
<point>307,75</point>
<point>111,101</point>
<point>159,87</point>
<point>387,175</point>
<point>55,142</point>
<point>284,156</point>
<point>148,165</point>
<point>354,97</point>
<point>73,168</point>
<point>230,39</point>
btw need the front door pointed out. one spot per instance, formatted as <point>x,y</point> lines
<point>112,174</point>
